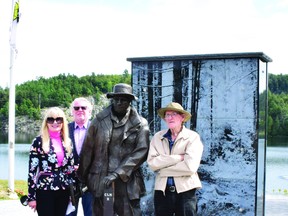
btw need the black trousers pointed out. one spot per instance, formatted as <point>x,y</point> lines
<point>180,204</point>
<point>52,202</point>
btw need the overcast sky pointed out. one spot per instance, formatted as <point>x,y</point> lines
<point>84,36</point>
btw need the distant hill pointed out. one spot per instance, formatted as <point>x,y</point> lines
<point>60,91</point>
<point>33,96</point>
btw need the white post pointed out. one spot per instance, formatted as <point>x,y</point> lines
<point>11,135</point>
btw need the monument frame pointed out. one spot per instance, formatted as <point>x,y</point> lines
<point>227,97</point>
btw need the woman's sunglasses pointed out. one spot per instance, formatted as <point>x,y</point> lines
<point>50,120</point>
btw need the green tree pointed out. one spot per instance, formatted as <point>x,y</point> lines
<point>58,91</point>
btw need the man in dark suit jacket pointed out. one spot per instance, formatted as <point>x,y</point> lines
<point>81,110</point>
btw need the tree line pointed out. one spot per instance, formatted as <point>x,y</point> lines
<point>61,90</point>
<point>278,105</point>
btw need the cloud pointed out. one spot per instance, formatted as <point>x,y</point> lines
<point>80,37</point>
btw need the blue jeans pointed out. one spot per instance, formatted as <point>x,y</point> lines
<point>182,204</point>
<point>87,202</point>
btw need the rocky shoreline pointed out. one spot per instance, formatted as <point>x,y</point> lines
<point>22,124</point>
<point>25,124</point>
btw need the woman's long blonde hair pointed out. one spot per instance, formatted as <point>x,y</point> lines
<point>51,112</point>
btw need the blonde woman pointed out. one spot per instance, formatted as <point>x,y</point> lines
<point>51,166</point>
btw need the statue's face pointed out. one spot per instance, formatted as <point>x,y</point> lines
<point>121,104</point>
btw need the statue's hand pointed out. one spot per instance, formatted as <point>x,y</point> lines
<point>109,179</point>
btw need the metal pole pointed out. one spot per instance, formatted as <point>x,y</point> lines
<point>11,135</point>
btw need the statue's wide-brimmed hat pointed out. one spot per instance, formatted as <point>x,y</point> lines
<point>174,107</point>
<point>122,90</point>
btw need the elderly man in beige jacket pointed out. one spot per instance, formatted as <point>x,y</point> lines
<point>175,154</point>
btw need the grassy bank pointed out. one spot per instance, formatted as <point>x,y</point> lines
<point>20,188</point>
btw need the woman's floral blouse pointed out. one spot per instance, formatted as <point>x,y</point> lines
<point>44,172</point>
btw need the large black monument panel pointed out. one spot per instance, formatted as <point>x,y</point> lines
<point>227,97</point>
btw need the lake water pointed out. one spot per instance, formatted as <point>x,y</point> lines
<point>277,170</point>
<point>21,161</point>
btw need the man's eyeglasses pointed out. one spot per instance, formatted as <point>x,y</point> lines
<point>172,115</point>
<point>50,120</point>
<point>78,107</point>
